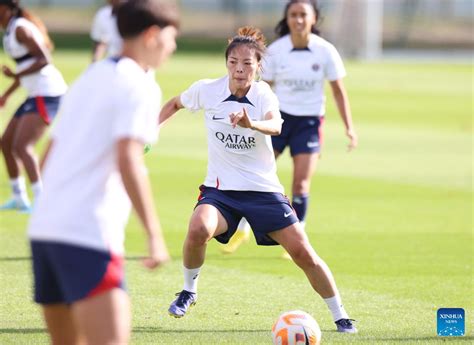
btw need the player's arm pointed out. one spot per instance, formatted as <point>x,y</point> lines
<point>9,91</point>
<point>342,102</point>
<point>25,36</point>
<point>137,184</point>
<point>169,109</point>
<point>98,50</point>
<point>271,125</point>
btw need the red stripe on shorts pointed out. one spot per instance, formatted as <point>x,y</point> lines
<point>112,278</point>
<point>43,111</point>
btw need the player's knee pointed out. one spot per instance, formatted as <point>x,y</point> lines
<point>23,151</point>
<point>199,233</point>
<point>301,186</point>
<point>305,259</point>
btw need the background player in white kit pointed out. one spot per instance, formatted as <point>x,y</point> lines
<point>297,66</point>
<point>104,32</point>
<point>93,170</point>
<point>27,42</point>
<point>241,114</point>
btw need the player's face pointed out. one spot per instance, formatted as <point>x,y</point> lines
<point>165,45</point>
<point>300,18</point>
<point>242,66</point>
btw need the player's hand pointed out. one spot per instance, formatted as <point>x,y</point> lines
<point>157,254</point>
<point>351,134</point>
<point>241,118</point>
<point>8,72</point>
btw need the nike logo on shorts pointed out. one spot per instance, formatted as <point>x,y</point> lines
<point>311,144</point>
<point>286,215</point>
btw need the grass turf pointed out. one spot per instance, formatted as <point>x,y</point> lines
<point>393,219</point>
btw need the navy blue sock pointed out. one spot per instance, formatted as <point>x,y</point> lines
<point>300,204</point>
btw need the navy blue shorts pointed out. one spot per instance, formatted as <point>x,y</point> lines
<point>45,107</point>
<point>302,133</point>
<point>265,211</point>
<point>66,273</point>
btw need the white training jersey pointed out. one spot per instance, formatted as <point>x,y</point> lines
<point>48,81</point>
<point>84,202</point>
<point>104,29</point>
<point>298,75</point>
<point>239,159</point>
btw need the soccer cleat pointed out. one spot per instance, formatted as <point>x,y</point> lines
<point>13,204</point>
<point>345,326</point>
<point>180,305</point>
<point>235,241</point>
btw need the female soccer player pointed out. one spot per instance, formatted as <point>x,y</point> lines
<point>297,65</point>
<point>93,169</point>
<point>104,31</point>
<point>27,42</point>
<point>241,114</point>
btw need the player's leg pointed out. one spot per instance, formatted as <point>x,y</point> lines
<point>294,239</point>
<point>19,197</point>
<point>304,166</point>
<point>305,147</point>
<point>205,223</point>
<point>104,318</point>
<point>30,129</point>
<point>59,321</point>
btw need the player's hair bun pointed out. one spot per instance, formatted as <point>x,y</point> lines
<point>253,32</point>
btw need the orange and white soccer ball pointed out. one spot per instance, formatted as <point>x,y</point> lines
<point>296,328</point>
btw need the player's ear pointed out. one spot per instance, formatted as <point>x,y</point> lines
<point>151,35</point>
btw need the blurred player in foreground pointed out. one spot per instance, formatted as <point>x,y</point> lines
<point>241,115</point>
<point>93,173</point>
<point>27,42</point>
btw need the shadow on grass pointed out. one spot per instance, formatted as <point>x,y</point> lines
<point>163,330</point>
<point>22,330</point>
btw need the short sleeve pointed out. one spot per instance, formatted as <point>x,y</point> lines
<point>97,33</point>
<point>137,114</point>
<point>334,68</point>
<point>191,99</point>
<point>269,100</point>
<point>268,66</point>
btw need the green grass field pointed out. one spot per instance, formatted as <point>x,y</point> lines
<point>393,219</point>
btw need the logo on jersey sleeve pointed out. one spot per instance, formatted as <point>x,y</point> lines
<point>236,142</point>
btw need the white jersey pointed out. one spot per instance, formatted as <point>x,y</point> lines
<point>240,159</point>
<point>298,75</point>
<point>84,201</point>
<point>48,81</point>
<point>104,29</point>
